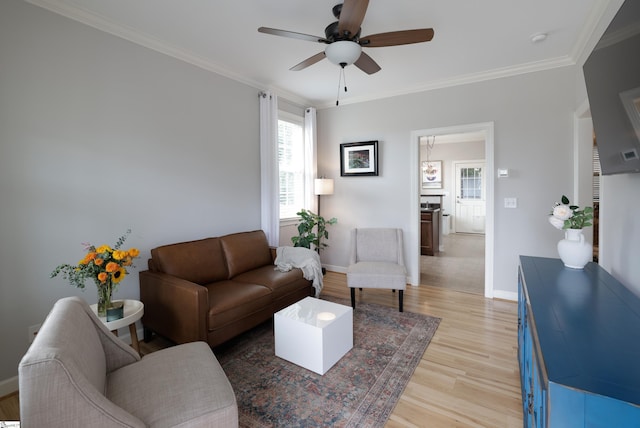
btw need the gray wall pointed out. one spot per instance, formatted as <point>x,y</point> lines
<point>533,119</point>
<point>98,135</point>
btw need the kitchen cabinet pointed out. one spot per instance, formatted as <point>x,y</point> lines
<point>429,231</point>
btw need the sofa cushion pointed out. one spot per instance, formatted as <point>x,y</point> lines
<point>198,261</point>
<point>194,391</point>
<point>280,283</point>
<point>230,301</point>
<point>245,251</point>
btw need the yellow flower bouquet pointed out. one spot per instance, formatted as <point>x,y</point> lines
<point>106,266</point>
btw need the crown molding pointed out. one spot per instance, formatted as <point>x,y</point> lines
<point>101,23</point>
<point>601,15</point>
<point>497,73</point>
<point>127,33</point>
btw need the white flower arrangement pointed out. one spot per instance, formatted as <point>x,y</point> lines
<point>567,216</point>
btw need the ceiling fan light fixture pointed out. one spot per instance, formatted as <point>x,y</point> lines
<point>343,52</point>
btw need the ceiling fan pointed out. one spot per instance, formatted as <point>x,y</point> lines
<point>343,40</point>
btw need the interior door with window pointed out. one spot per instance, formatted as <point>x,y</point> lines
<point>470,197</point>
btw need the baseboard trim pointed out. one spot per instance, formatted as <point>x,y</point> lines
<point>8,386</point>
<point>505,295</point>
<point>333,268</point>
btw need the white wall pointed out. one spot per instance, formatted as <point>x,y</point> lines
<point>98,135</point>
<point>533,118</point>
<point>620,228</point>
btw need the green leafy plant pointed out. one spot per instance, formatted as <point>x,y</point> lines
<point>312,229</point>
<point>567,216</point>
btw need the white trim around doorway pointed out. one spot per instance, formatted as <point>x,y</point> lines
<point>413,258</point>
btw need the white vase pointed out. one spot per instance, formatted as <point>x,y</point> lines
<point>574,251</point>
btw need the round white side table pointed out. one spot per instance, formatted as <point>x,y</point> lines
<point>133,311</point>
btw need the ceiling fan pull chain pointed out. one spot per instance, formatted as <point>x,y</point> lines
<point>339,82</point>
<point>344,78</point>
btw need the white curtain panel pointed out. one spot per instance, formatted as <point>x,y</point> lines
<point>269,176</point>
<point>310,147</point>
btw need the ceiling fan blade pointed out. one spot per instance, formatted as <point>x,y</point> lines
<point>395,38</point>
<point>291,34</point>
<point>309,61</point>
<point>351,16</point>
<point>367,64</point>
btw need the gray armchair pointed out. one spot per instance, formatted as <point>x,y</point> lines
<point>78,374</point>
<point>377,261</point>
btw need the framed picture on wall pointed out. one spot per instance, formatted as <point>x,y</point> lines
<point>359,158</point>
<point>432,174</point>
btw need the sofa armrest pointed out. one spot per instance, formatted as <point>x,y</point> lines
<point>173,307</point>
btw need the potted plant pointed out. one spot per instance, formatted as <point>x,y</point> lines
<point>575,252</point>
<point>312,229</point>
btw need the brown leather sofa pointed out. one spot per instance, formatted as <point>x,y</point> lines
<point>215,288</point>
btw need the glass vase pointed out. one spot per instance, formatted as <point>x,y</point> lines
<point>104,298</point>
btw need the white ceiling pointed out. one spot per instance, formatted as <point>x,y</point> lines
<point>474,40</point>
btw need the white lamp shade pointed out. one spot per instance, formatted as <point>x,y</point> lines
<point>323,186</point>
<point>343,52</point>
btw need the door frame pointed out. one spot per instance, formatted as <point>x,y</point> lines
<point>413,256</point>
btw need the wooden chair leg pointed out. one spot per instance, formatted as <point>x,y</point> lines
<point>400,296</point>
<point>353,297</point>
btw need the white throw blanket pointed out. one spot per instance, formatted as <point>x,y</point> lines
<point>307,260</point>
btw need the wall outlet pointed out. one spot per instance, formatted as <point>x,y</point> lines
<point>33,331</point>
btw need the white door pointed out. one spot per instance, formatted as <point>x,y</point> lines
<point>470,197</point>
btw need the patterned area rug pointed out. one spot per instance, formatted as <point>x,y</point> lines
<point>361,390</point>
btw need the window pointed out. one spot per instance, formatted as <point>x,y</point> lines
<point>291,157</point>
<point>471,183</point>
<point>596,173</point>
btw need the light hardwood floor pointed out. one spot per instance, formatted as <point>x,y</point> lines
<point>468,376</point>
<point>9,407</point>
<point>459,267</point>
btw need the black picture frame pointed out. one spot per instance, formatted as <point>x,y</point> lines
<point>359,159</point>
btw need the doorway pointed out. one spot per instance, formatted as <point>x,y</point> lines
<point>471,253</point>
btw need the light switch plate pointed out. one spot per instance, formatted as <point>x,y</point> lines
<point>503,173</point>
<point>511,202</point>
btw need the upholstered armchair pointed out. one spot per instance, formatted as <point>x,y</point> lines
<point>78,374</point>
<point>377,261</point>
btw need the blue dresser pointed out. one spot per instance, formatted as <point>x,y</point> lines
<point>578,346</point>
